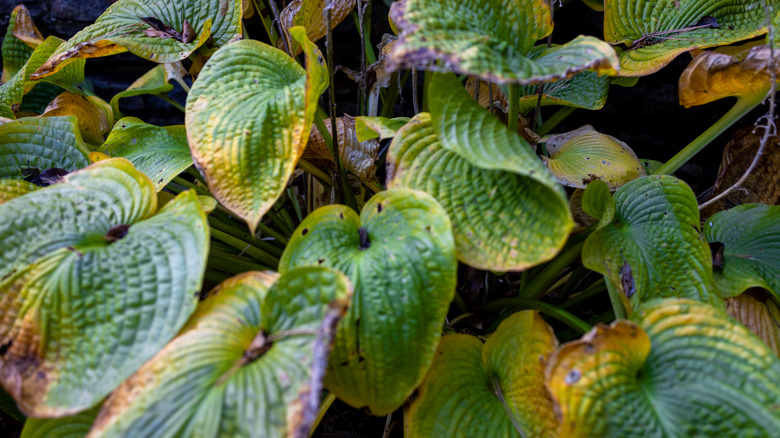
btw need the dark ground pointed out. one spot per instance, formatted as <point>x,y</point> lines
<point>647,117</point>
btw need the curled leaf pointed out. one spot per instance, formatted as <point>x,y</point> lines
<point>758,312</point>
<point>358,157</point>
<point>713,75</point>
<point>310,14</point>
<point>94,115</point>
<point>16,50</point>
<point>584,155</point>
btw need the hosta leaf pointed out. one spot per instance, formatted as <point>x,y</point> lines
<point>154,82</point>
<point>39,97</point>
<point>400,255</point>
<point>508,212</point>
<point>758,312</point>
<point>12,92</point>
<point>160,153</point>
<point>15,51</point>
<point>489,390</point>
<point>583,155</point>
<point>584,90</point>
<point>310,15</point>
<point>750,235</point>
<point>42,143</point>
<point>657,32</point>
<point>12,188</point>
<point>382,128</point>
<point>236,367</point>
<point>656,239</point>
<point>712,76</point>
<point>491,40</point>
<point>248,119</point>
<point>684,369</point>
<point>74,426</point>
<point>358,157</point>
<point>95,117</point>
<point>598,203</point>
<point>93,284</point>
<point>121,29</point>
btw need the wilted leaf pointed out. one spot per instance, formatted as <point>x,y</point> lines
<point>712,76</point>
<point>492,40</point>
<point>159,152</point>
<point>508,212</point>
<point>41,143</point>
<point>121,28</point>
<point>238,366</point>
<point>15,51</point>
<point>74,426</point>
<point>95,117</point>
<point>763,183</point>
<point>400,255</point>
<point>264,105</point>
<point>750,235</point>
<point>584,155</point>
<point>13,188</point>
<point>656,32</point>
<point>368,128</point>
<point>358,157</point>
<point>758,312</point>
<point>311,15</point>
<point>683,369</point>
<point>657,236</point>
<point>93,284</point>
<point>493,389</point>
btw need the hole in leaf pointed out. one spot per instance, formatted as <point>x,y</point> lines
<point>304,232</point>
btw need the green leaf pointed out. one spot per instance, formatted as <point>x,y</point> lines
<point>404,272</point>
<point>378,127</point>
<point>12,188</point>
<point>12,92</point>
<point>684,369</point>
<point>42,143</point>
<point>583,155</point>
<point>160,153</point>
<point>94,283</point>
<point>248,119</point>
<point>154,82</point>
<point>238,367</point>
<point>656,239</point>
<point>74,426</point>
<point>15,52</point>
<point>121,29</point>
<point>750,234</point>
<point>657,30</point>
<point>493,389</point>
<point>491,39</point>
<point>598,203</point>
<point>584,90</point>
<point>508,212</point>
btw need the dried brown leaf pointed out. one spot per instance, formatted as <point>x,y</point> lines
<point>756,311</point>
<point>358,158</point>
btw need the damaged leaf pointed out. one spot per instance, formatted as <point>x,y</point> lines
<point>584,155</point>
<point>64,352</point>
<point>95,117</point>
<point>493,389</point>
<point>492,40</point>
<point>239,365</point>
<point>15,50</point>
<point>310,14</point>
<point>358,157</point>
<point>400,255</point>
<point>382,128</point>
<point>682,368</point>
<point>760,313</point>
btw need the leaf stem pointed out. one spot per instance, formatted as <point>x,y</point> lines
<point>546,308</point>
<point>554,120</point>
<point>245,247</point>
<point>316,172</point>
<point>232,264</point>
<point>245,236</point>
<point>324,406</point>
<point>546,278</point>
<point>514,106</point>
<point>743,106</point>
<point>614,298</point>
